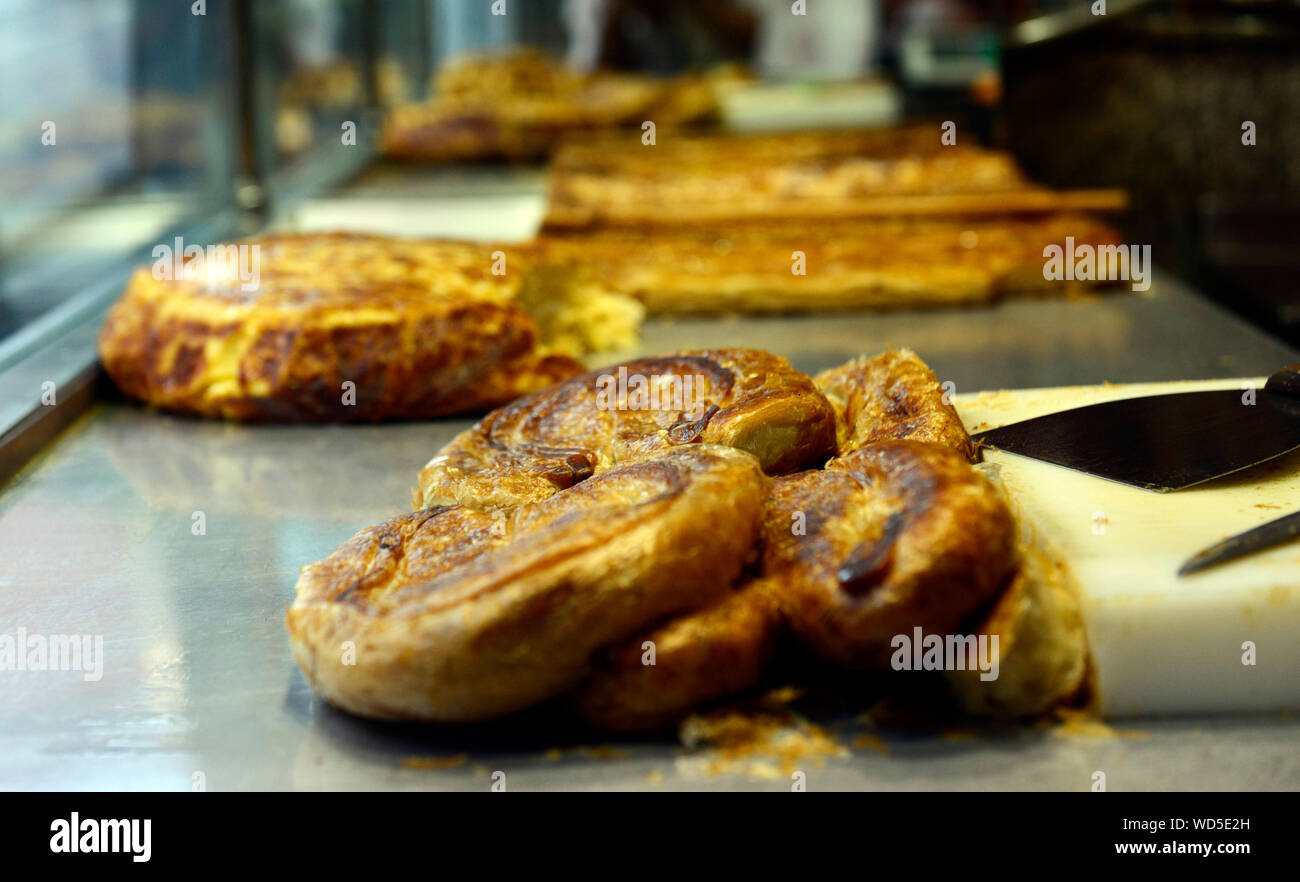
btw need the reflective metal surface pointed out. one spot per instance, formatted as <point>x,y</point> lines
<point>99,536</point>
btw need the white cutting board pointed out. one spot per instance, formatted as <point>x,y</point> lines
<point>1162,644</point>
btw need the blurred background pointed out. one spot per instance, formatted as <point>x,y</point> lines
<point>128,122</point>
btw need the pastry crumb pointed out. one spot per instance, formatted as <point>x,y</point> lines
<point>600,752</point>
<point>433,762</point>
<point>870,742</point>
<point>956,736</point>
<point>760,743</point>
<point>1072,723</point>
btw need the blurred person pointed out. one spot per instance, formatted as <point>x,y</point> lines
<point>659,36</point>
<point>830,40</point>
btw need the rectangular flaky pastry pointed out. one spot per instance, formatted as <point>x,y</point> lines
<point>702,179</point>
<point>795,267</point>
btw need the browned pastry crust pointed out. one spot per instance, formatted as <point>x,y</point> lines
<point>640,185</point>
<point>447,133</point>
<point>517,106</point>
<point>893,395</point>
<point>624,153</point>
<point>699,656</point>
<point>480,76</point>
<point>853,264</point>
<point>458,615</point>
<point>591,536</point>
<point>421,328</point>
<point>536,446</point>
<point>720,650</point>
<point>893,536</point>
<point>1042,647</point>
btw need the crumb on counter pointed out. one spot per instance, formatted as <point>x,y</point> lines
<point>433,762</point>
<point>1074,723</point>
<point>762,743</point>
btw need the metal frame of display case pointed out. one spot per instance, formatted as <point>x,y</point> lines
<point>58,347</point>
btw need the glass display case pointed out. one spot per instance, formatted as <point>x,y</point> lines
<point>121,126</point>
<point>312,69</point>
<point>131,122</point>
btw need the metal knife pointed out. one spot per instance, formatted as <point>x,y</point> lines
<point>1264,536</point>
<point>1165,442</point>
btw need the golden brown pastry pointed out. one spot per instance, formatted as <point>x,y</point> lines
<point>517,105</point>
<point>553,439</point>
<point>624,153</point>
<point>893,536</point>
<point>893,395</point>
<point>853,264</point>
<point>707,179</point>
<point>345,327</point>
<point>522,71</point>
<point>720,651</point>
<point>452,614</point>
<point>653,681</point>
<point>600,550</point>
<point>1042,647</point>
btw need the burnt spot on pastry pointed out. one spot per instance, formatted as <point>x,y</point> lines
<point>358,357</point>
<point>569,467</point>
<point>685,431</point>
<point>187,361</point>
<point>866,566</point>
<point>267,358</point>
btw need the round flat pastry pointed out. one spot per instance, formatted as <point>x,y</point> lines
<point>336,327</point>
<point>454,614</point>
<point>892,396</point>
<point>555,438</point>
<point>894,536</point>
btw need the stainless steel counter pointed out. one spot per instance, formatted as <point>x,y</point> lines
<point>97,537</point>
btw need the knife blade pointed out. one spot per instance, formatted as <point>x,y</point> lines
<point>1165,442</point>
<point>1275,532</point>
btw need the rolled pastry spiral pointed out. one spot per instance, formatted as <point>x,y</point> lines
<point>644,561</point>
